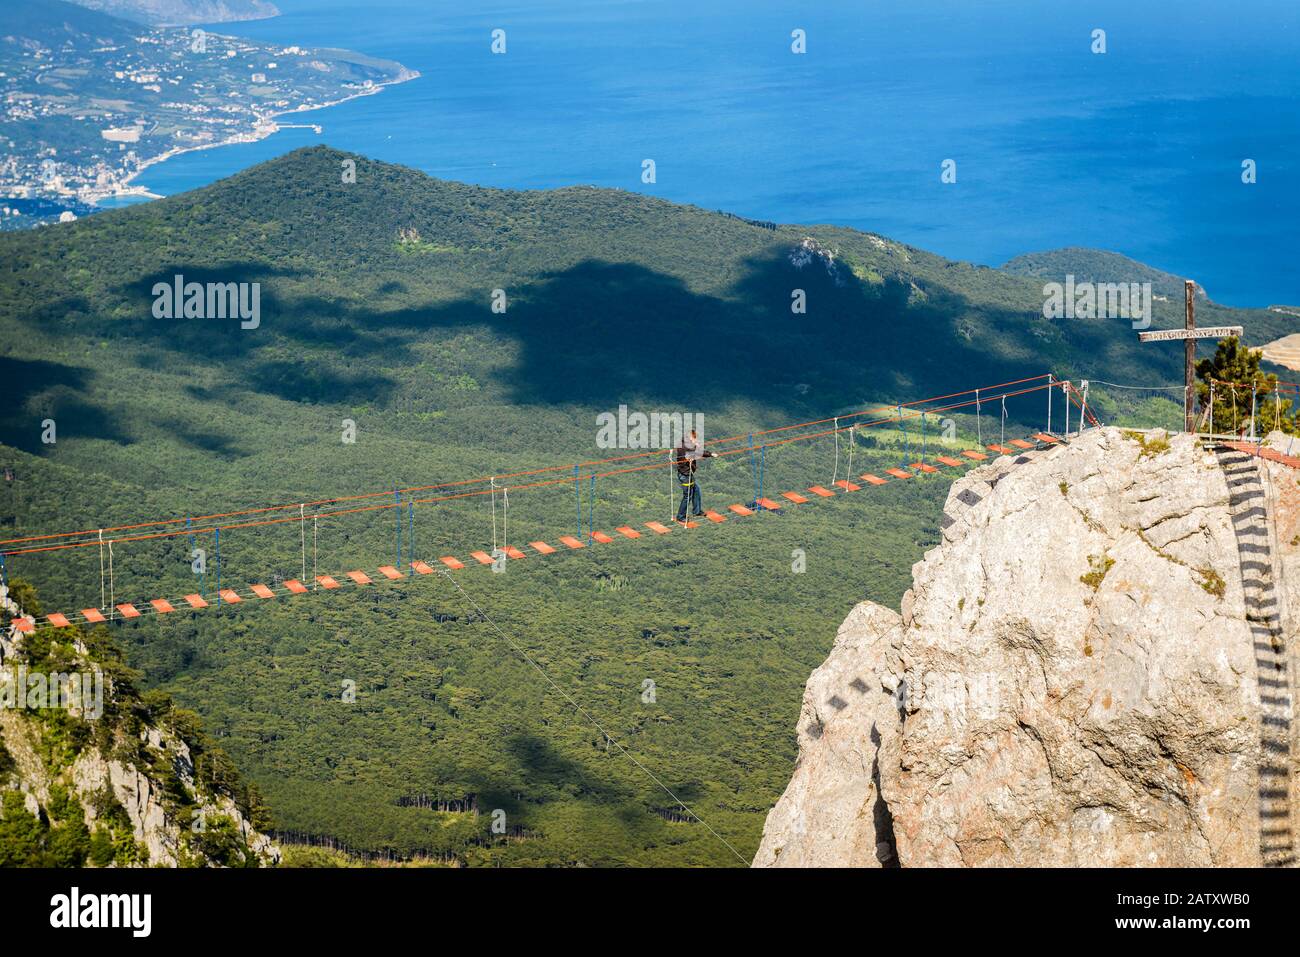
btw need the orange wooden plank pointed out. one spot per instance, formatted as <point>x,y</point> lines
<point>1021,444</point>
<point>326,581</point>
<point>58,621</point>
<point>687,524</point>
<point>628,532</point>
<point>740,509</point>
<point>128,610</point>
<point>794,497</point>
<point>295,586</point>
<point>713,516</point>
<point>388,571</point>
<point>452,563</point>
<point>261,591</point>
<point>898,473</point>
<point>92,615</point>
<point>26,626</point>
<point>657,528</point>
<point>360,577</point>
<point>229,596</point>
<point>1044,437</point>
<point>483,558</point>
<point>601,537</point>
<point>971,454</point>
<point>950,462</point>
<point>924,467</point>
<point>543,547</point>
<point>572,542</point>
<point>512,552</point>
<point>1001,450</point>
<point>848,486</point>
<point>196,601</point>
<point>823,492</point>
<point>162,605</point>
<point>767,503</point>
<point>873,479</point>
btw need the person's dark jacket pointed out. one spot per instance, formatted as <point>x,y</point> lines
<point>685,464</point>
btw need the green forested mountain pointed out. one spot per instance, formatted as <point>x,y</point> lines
<point>376,307</point>
<point>1094,265</point>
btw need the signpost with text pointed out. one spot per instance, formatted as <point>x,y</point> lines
<point>1190,333</point>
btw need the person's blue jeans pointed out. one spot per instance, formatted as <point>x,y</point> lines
<point>690,496</point>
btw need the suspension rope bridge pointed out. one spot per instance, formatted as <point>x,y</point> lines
<point>494,486</point>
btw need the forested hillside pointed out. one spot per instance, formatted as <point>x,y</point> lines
<point>376,308</point>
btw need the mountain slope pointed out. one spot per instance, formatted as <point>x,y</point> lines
<point>173,12</point>
<point>1096,265</point>
<point>116,779</point>
<point>376,308</point>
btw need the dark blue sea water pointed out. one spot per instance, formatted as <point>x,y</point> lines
<point>1137,150</point>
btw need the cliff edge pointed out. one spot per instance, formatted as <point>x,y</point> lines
<point>94,772</point>
<point>1093,668</point>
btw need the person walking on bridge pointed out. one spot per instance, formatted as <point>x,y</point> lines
<point>688,455</point>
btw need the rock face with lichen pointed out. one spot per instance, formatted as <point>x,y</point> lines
<point>1091,669</point>
<point>117,779</point>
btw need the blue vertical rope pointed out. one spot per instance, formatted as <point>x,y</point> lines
<point>4,577</point>
<point>577,493</point>
<point>218,550</point>
<point>753,467</point>
<point>922,436</point>
<point>410,534</point>
<point>591,510</point>
<point>397,498</point>
<point>907,443</point>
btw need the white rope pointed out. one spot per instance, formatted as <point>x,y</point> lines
<point>1004,420</point>
<point>313,552</point>
<point>112,588</point>
<point>853,440</point>
<point>494,515</point>
<point>979,428</point>
<point>505,518</point>
<point>1141,388</point>
<point>672,499</point>
<point>302,526</point>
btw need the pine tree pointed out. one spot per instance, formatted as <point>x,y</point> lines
<point>1237,382</point>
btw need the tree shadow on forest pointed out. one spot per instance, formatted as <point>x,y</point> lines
<point>604,333</point>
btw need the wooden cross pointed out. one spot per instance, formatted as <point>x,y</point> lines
<point>1190,334</point>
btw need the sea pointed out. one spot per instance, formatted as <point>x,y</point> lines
<point>1126,126</point>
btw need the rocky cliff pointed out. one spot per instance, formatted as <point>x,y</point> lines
<point>106,776</point>
<point>1093,668</point>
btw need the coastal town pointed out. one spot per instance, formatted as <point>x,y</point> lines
<point>90,101</point>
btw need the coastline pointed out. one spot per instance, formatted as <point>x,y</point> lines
<point>265,126</point>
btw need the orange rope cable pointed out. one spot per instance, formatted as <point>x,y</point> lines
<point>425,488</point>
<point>193,530</point>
